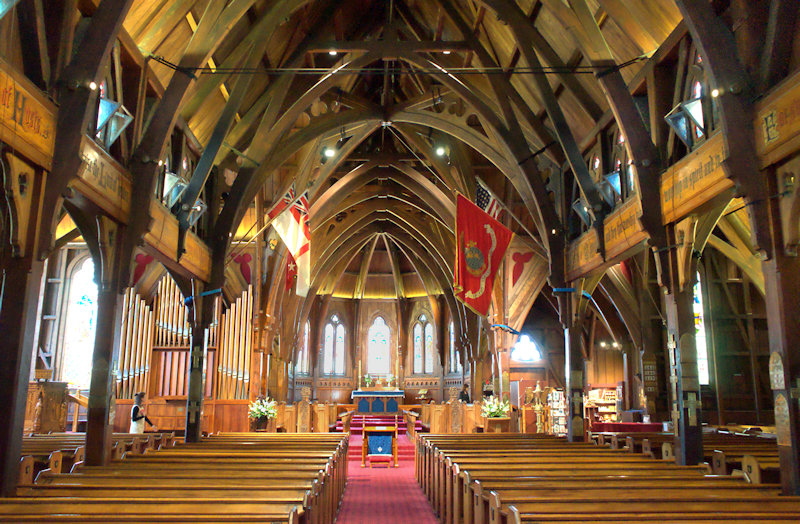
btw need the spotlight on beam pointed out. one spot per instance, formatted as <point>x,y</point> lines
<point>333,52</point>
<point>440,151</point>
<point>329,152</point>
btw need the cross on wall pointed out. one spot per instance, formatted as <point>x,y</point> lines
<point>692,404</point>
<point>577,399</point>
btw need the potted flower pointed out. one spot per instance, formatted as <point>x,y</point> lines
<point>261,411</point>
<point>367,380</point>
<point>496,415</point>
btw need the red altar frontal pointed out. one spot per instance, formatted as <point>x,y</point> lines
<point>627,427</point>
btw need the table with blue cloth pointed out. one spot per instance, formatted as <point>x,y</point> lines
<point>379,445</point>
<point>377,402</point>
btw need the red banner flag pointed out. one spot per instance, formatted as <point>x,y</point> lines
<point>481,245</point>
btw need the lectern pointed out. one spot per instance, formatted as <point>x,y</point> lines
<point>379,445</point>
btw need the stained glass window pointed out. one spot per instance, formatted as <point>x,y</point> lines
<point>526,350</point>
<point>428,348</point>
<point>302,359</point>
<point>333,348</point>
<point>379,359</point>
<point>80,327</point>
<point>700,334</point>
<point>418,348</point>
<point>455,362</point>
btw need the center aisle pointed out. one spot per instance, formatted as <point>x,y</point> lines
<point>381,494</point>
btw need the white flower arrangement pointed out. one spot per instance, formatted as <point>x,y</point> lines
<point>494,407</point>
<point>263,408</point>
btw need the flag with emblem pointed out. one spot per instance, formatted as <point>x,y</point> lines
<point>481,244</point>
<point>291,271</point>
<point>487,201</point>
<point>290,216</point>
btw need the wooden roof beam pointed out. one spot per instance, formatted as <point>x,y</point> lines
<point>397,275</point>
<point>361,282</point>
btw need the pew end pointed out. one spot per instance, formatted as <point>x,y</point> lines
<point>26,466</point>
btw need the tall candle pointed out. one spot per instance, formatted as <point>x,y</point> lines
<point>359,374</point>
<point>397,371</point>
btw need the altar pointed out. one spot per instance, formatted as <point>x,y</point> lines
<point>378,401</point>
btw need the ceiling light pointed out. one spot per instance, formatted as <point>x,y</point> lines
<point>715,93</point>
<point>93,85</point>
<point>446,52</point>
<point>328,152</point>
<point>602,344</point>
<point>332,52</point>
<point>440,151</point>
<point>553,231</point>
<point>160,163</point>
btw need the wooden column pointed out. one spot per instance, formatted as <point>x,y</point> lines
<point>575,381</point>
<point>98,425</point>
<point>686,407</point>
<point>782,286</point>
<point>21,282</point>
<point>202,313</point>
<point>107,271</point>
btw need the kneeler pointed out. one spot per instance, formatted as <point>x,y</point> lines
<point>379,446</point>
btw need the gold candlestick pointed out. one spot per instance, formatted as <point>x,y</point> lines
<point>359,374</point>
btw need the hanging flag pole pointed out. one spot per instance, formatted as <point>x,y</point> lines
<point>241,247</point>
<point>539,248</point>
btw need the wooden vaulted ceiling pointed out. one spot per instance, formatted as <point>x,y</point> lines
<point>382,208</point>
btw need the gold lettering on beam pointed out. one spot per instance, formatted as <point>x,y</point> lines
<point>103,181</point>
<point>777,124</point>
<point>694,180</point>
<point>27,118</point>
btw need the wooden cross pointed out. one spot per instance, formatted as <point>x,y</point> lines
<point>577,398</point>
<point>692,405</point>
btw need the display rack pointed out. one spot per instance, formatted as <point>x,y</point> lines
<point>601,404</point>
<point>557,405</point>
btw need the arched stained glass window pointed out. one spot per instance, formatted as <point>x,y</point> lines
<point>423,345</point>
<point>429,348</point>
<point>526,350</point>
<point>379,356</point>
<point>302,358</point>
<point>455,361</point>
<point>333,347</point>
<point>80,326</point>
<point>700,334</point>
<point>418,349</point>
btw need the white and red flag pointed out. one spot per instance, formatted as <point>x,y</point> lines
<point>290,216</point>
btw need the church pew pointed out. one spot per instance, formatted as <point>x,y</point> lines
<point>442,486</point>
<point>762,470</point>
<point>681,491</point>
<point>26,471</point>
<point>309,480</point>
<point>77,509</point>
<point>727,460</point>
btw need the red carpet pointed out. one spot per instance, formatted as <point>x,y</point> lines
<point>384,495</point>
